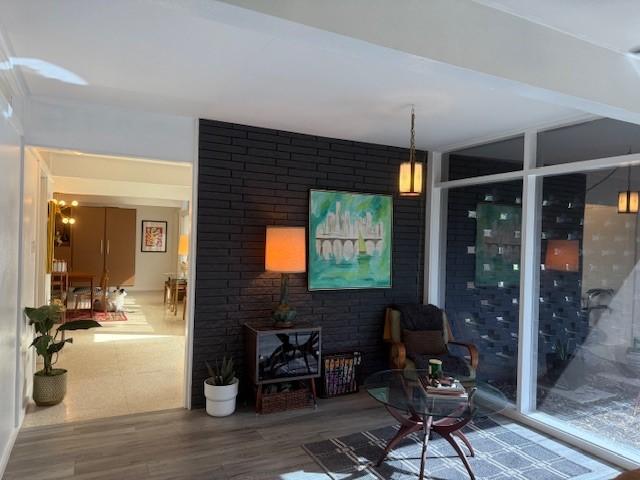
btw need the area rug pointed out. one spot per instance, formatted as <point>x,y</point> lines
<point>503,451</point>
<point>97,316</point>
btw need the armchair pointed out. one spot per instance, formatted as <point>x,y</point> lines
<point>418,333</point>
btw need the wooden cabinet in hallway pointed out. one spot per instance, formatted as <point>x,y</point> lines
<point>120,245</point>
<point>104,240</point>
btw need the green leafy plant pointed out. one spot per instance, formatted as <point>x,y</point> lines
<point>46,341</point>
<point>221,374</point>
<point>562,349</point>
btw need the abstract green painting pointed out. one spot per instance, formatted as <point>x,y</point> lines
<point>497,245</point>
<point>349,240</point>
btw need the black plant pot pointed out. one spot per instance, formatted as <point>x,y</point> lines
<point>565,372</point>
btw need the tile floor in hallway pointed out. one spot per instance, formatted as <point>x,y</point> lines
<point>124,367</point>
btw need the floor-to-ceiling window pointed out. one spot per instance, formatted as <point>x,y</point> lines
<point>483,257</point>
<point>588,363</point>
<point>589,340</point>
<point>555,315</point>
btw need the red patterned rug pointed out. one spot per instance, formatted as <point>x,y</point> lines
<point>97,316</point>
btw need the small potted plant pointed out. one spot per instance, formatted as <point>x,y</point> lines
<point>564,366</point>
<point>221,388</point>
<point>50,384</point>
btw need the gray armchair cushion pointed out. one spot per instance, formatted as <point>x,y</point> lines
<point>420,317</point>
<point>424,342</point>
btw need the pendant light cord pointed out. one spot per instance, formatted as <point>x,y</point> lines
<point>412,143</point>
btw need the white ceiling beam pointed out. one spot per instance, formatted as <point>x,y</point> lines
<point>119,169</point>
<point>113,188</point>
<point>542,63</point>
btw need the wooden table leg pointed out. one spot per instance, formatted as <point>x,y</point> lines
<point>105,291</point>
<point>184,306</point>
<point>449,427</point>
<point>91,296</point>
<point>312,382</point>
<point>408,425</point>
<point>174,296</point>
<point>425,439</point>
<point>259,398</point>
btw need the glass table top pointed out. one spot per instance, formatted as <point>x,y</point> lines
<point>409,391</point>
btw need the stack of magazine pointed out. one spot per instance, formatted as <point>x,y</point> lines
<point>340,373</point>
<point>448,387</point>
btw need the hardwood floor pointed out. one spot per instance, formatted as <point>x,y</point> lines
<point>181,444</point>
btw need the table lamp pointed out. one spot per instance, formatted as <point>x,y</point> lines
<point>563,255</point>
<point>183,251</point>
<point>285,253</point>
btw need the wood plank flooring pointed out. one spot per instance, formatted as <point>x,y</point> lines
<point>181,444</point>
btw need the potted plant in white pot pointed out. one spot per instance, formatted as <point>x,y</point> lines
<point>50,384</point>
<point>221,388</point>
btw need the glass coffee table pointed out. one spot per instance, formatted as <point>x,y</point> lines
<point>406,397</point>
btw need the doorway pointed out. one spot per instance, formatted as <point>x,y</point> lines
<point>122,229</point>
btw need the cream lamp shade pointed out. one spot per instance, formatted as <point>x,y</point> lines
<point>183,245</point>
<point>563,255</point>
<point>285,250</point>
<point>628,202</point>
<point>410,179</point>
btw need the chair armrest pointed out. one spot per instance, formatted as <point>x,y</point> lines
<point>473,351</point>
<point>398,355</point>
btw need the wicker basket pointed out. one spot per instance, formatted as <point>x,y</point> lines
<point>281,401</point>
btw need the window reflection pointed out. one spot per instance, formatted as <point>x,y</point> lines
<point>483,275</point>
<point>589,333</point>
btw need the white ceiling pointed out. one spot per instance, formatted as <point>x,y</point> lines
<point>613,24</point>
<point>227,63</point>
<point>150,182</point>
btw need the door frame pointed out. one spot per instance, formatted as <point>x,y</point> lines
<point>191,285</point>
<point>43,283</point>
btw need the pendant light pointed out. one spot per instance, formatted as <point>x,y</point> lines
<point>411,172</point>
<point>628,201</point>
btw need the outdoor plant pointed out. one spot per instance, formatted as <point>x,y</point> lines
<point>221,374</point>
<point>562,349</point>
<point>47,342</point>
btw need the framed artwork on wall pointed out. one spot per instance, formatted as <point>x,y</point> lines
<point>350,238</point>
<point>154,236</point>
<point>498,245</point>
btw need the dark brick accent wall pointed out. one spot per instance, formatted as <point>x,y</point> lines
<point>252,177</point>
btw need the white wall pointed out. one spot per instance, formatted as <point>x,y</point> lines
<point>150,267</point>
<point>10,160</point>
<point>28,273</point>
<point>109,131</point>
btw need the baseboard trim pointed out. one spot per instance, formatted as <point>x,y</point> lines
<point>6,453</point>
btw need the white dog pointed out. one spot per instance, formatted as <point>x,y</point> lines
<point>115,301</point>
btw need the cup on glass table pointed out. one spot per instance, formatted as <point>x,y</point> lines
<point>435,369</point>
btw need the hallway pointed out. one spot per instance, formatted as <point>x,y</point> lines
<point>122,368</point>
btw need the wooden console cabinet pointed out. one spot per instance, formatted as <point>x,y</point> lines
<point>103,240</point>
<point>279,355</point>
